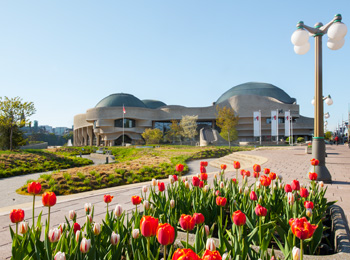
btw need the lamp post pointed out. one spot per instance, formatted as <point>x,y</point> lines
<point>336,31</point>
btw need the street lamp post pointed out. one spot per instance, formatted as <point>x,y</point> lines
<point>336,31</point>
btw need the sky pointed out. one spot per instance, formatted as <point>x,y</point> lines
<point>65,56</point>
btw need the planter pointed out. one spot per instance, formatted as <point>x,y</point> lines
<point>308,150</point>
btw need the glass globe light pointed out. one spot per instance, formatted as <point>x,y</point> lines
<point>335,45</point>
<point>301,50</point>
<point>300,37</point>
<point>313,102</point>
<point>329,101</point>
<point>326,123</point>
<point>337,31</point>
<point>326,115</point>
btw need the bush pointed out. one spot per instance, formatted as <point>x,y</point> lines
<point>300,139</point>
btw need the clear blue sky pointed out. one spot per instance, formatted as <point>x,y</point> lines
<point>66,56</point>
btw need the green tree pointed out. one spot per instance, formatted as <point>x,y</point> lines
<point>17,137</point>
<point>152,136</point>
<point>174,132</point>
<point>14,114</point>
<point>189,126</point>
<point>328,135</point>
<point>68,136</point>
<point>227,121</point>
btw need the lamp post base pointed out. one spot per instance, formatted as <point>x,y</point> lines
<point>319,153</point>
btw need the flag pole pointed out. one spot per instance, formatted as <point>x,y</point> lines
<point>123,125</point>
<point>277,126</point>
<point>260,126</point>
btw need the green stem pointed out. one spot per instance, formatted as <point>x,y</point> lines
<point>48,221</point>
<point>301,250</point>
<point>164,252</point>
<point>236,174</point>
<point>16,233</point>
<point>107,208</point>
<point>33,210</point>
<point>260,231</point>
<point>148,247</point>
<point>221,216</point>
<point>187,240</point>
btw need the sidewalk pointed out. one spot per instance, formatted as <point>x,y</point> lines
<point>291,163</point>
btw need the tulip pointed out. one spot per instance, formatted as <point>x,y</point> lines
<point>207,231</point>
<point>195,181</point>
<point>234,180</point>
<point>236,165</point>
<point>175,177</point>
<point>314,162</point>
<point>154,182</point>
<point>223,166</point>
<point>301,228</point>
<point>145,188</point>
<point>222,185</point>
<point>23,227</point>
<point>253,195</point>
<point>34,188</point>
<point>17,215</point>
<point>76,227</point>
<point>321,184</point>
<point>280,177</point>
<point>239,218</point>
<point>135,233</point>
<point>87,207</point>
<point>85,245</point>
<point>179,168</point>
<point>187,185</point>
<point>118,210</point>
<point>201,184</point>
<point>60,256</point>
<point>256,174</point>
<point>265,181</point>
<point>308,212</point>
<point>187,222</point>
<point>204,176</point>
<point>148,226</point>
<point>107,198</point>
<point>247,173</point>
<point>161,186</point>
<point>256,168</point>
<point>296,253</point>
<point>258,184</point>
<point>61,226</point>
<point>304,192</point>
<point>210,245</point>
<point>72,215</point>
<point>290,197</point>
<point>211,255</point>
<point>97,229</point>
<point>172,204</point>
<point>171,179</point>
<point>54,235</point>
<point>221,201</point>
<point>272,175</point>
<point>295,185</point>
<point>242,172</point>
<point>206,188</point>
<point>313,176</point>
<point>260,211</point>
<point>185,254</point>
<point>77,235</point>
<point>217,193</point>
<point>202,169</point>
<point>165,234</point>
<point>204,163</point>
<point>215,176</point>
<point>287,188</point>
<point>198,218</point>
<point>115,238</point>
<point>260,199</point>
<point>89,218</point>
<point>226,256</point>
<point>280,186</point>
<point>136,200</point>
<point>308,204</point>
<point>240,190</point>
<point>146,204</point>
<point>246,191</point>
<point>49,199</point>
<point>266,171</point>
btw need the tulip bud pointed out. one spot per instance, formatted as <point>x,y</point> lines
<point>309,212</point>
<point>234,202</point>
<point>23,227</point>
<point>321,184</point>
<point>97,229</point>
<point>206,188</point>
<point>206,228</point>
<point>85,245</point>
<point>144,188</point>
<point>215,176</point>
<point>146,204</point>
<point>61,226</point>
<point>187,185</point>
<point>87,208</point>
<point>258,184</point>
<point>77,235</point>
<point>89,218</point>
<point>135,233</point>
<point>280,177</point>
<point>154,182</point>
<point>184,178</point>
<point>171,179</point>
<point>172,204</point>
<point>222,185</point>
<point>72,215</point>
<point>240,190</point>
<point>60,256</point>
<point>246,191</point>
<point>115,238</point>
<point>198,175</point>
<point>253,196</point>
<point>290,198</point>
<point>54,235</point>
<point>296,253</point>
<point>260,199</point>
<point>280,186</point>
<point>210,244</point>
<point>226,256</point>
<point>118,210</point>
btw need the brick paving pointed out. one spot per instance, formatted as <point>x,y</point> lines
<point>291,163</point>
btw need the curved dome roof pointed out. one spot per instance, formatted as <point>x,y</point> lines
<point>120,99</point>
<point>259,89</point>
<point>154,104</point>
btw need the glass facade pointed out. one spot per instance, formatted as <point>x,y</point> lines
<point>280,120</point>
<point>128,123</point>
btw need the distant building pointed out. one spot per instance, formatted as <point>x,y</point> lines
<point>103,124</point>
<point>46,129</point>
<point>60,130</point>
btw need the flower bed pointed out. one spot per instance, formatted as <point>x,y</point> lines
<point>264,213</point>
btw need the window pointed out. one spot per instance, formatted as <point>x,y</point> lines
<point>280,120</point>
<point>128,123</point>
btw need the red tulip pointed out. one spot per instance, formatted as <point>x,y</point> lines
<point>315,162</point>
<point>34,188</point>
<point>301,228</point>
<point>247,173</point>
<point>161,186</point>
<point>76,227</point>
<point>308,204</point>
<point>201,184</point>
<point>295,185</point>
<point>221,201</point>
<point>217,193</point>
<point>256,168</point>
<point>304,192</point>
<point>256,174</point>
<point>179,168</point>
<point>260,211</point>
<point>242,172</point>
<point>236,165</point>
<point>204,164</point>
<point>187,222</point>
<point>265,181</point>
<point>203,176</point>
<point>266,170</point>
<point>148,226</point>
<point>195,181</point>
<point>202,169</point>
<point>211,255</point>
<point>223,166</point>
<point>175,177</point>
<point>136,200</point>
<point>287,188</point>
<point>234,180</point>
<point>17,215</point>
<point>239,218</point>
<point>185,254</point>
<point>272,175</point>
<point>198,218</point>
<point>313,176</point>
<point>165,234</point>
<point>107,198</point>
<point>253,195</point>
<point>49,199</point>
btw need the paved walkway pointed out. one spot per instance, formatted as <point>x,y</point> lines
<point>291,163</point>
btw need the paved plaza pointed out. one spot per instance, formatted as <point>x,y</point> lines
<point>291,163</point>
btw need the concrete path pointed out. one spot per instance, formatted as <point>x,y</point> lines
<point>291,163</point>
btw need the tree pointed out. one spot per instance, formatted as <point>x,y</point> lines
<point>152,136</point>
<point>17,137</point>
<point>227,121</point>
<point>189,126</point>
<point>174,132</point>
<point>14,113</point>
<point>328,135</point>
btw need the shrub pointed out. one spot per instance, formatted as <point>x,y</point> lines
<point>300,139</point>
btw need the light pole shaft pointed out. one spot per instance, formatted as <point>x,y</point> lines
<point>318,123</point>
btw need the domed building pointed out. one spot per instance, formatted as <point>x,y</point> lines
<point>103,124</point>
